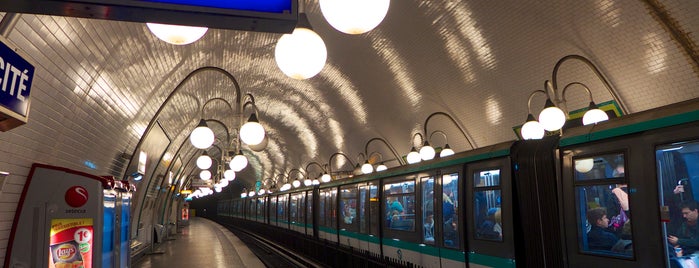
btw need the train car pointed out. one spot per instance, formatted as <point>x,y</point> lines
<point>621,193</point>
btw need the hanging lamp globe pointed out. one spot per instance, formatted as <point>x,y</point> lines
<point>229,175</point>
<point>205,175</point>
<point>326,177</point>
<point>176,34</point>
<point>584,165</point>
<point>552,118</point>
<point>594,115</point>
<point>413,157</point>
<point>202,136</point>
<point>301,54</point>
<point>381,167</point>
<point>354,16</point>
<point>427,152</point>
<point>204,161</point>
<point>532,129</point>
<point>239,162</point>
<point>447,151</point>
<point>367,168</point>
<point>252,132</point>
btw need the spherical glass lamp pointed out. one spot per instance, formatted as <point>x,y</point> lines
<point>447,151</point>
<point>307,182</point>
<point>381,167</point>
<point>251,193</point>
<point>204,161</point>
<point>427,152</point>
<point>239,162</point>
<point>354,16</point>
<point>367,168</point>
<point>301,54</point>
<point>205,175</point>
<point>532,130</point>
<point>202,137</point>
<point>223,183</point>
<point>296,183</point>
<point>176,34</point>
<point>218,189</point>
<point>594,115</point>
<point>413,157</point>
<point>243,195</point>
<point>326,177</point>
<point>316,182</point>
<point>584,165</point>
<point>229,175</point>
<point>252,132</point>
<point>552,118</point>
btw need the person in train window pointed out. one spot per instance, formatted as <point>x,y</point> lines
<point>498,223</point>
<point>687,235</point>
<point>451,232</point>
<point>429,229</point>
<point>447,206</point>
<point>599,237</point>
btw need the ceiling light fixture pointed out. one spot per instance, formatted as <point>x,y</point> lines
<point>354,16</point>
<point>202,136</point>
<point>176,34</point>
<point>301,54</point>
<point>204,161</point>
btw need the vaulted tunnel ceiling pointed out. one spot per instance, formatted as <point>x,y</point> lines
<point>475,61</point>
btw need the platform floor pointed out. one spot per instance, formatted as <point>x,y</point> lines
<point>203,243</point>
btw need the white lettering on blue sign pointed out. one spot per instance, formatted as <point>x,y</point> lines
<point>10,78</point>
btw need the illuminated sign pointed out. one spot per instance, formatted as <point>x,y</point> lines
<point>16,75</point>
<point>278,16</point>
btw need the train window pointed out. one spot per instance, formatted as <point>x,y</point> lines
<point>348,207</point>
<point>282,213</point>
<point>603,212</point>
<point>427,186</point>
<point>400,205</point>
<point>599,167</point>
<point>328,216</point>
<point>678,175</point>
<point>273,209</point>
<point>487,206</point>
<point>450,208</point>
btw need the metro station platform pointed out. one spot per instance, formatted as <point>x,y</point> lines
<point>203,243</point>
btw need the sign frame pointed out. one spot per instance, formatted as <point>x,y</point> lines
<point>10,119</point>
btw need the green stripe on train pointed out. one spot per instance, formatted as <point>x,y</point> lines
<point>449,254</point>
<point>488,260</point>
<point>632,128</point>
<point>361,237</point>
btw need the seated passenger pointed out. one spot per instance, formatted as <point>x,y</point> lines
<point>687,235</point>
<point>599,237</point>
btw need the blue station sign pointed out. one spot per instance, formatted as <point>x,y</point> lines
<point>271,6</point>
<point>16,75</point>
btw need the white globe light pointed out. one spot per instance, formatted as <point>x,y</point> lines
<point>229,175</point>
<point>251,193</point>
<point>262,191</point>
<point>205,175</point>
<point>552,118</point>
<point>307,182</point>
<point>413,157</point>
<point>584,165</point>
<point>252,133</point>
<point>243,195</point>
<point>223,183</point>
<point>300,55</point>
<point>381,167</point>
<point>239,162</point>
<point>296,183</point>
<point>446,151</point>
<point>202,137</point>
<point>532,130</point>
<point>326,177</point>
<point>316,182</point>
<point>176,34</point>
<point>427,152</point>
<point>354,16</point>
<point>204,161</point>
<point>594,116</point>
<point>367,168</point>
<point>218,189</point>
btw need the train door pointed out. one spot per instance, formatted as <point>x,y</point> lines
<point>610,208</point>
<point>489,212</point>
<point>369,216</point>
<point>309,213</point>
<point>451,252</point>
<point>677,168</point>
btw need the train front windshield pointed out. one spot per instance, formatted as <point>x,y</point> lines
<point>677,165</point>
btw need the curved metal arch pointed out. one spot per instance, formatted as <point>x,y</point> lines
<point>314,162</point>
<point>175,91</point>
<point>468,138</point>
<point>390,147</point>
<point>595,70</point>
<point>330,161</point>
<point>288,174</point>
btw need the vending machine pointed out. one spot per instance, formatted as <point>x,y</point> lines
<point>68,218</point>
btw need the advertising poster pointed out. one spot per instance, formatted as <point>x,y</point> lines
<point>71,243</point>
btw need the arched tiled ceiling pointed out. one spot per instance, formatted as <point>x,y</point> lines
<point>477,61</point>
